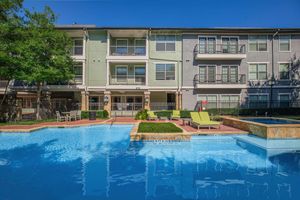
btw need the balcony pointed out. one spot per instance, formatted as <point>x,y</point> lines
<point>127,80</point>
<point>220,81</point>
<point>128,51</point>
<point>220,52</point>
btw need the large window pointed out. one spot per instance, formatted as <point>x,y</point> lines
<point>284,100</point>
<point>122,46</point>
<point>165,42</point>
<point>230,101</point>
<point>230,45</point>
<point>284,71</point>
<point>78,47</point>
<point>207,74</point>
<point>258,101</point>
<point>211,100</point>
<point>139,74</point>
<point>140,47</point>
<point>121,73</point>
<point>78,71</point>
<point>257,71</point>
<point>284,43</point>
<point>230,74</point>
<point>165,71</point>
<point>207,44</point>
<point>258,43</point>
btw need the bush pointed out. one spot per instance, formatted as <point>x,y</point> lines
<point>164,113</point>
<point>151,127</point>
<point>141,115</point>
<point>102,114</point>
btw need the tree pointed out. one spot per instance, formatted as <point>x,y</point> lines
<point>45,52</point>
<point>11,35</point>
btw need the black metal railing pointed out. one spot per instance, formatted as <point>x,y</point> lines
<point>219,79</point>
<point>127,80</point>
<point>220,49</point>
<point>162,106</point>
<point>126,106</point>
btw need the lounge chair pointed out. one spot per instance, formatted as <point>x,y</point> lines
<point>199,122</point>
<point>205,117</point>
<point>151,115</point>
<point>61,118</point>
<point>73,115</point>
<point>175,114</point>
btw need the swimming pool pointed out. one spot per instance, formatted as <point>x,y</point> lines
<point>100,162</point>
<point>269,120</point>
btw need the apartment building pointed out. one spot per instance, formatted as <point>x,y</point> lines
<point>125,69</point>
<point>250,68</point>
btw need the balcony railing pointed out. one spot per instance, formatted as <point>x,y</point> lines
<point>126,106</point>
<point>162,106</point>
<point>220,49</point>
<point>3,83</point>
<point>219,79</point>
<point>127,80</point>
<point>127,50</point>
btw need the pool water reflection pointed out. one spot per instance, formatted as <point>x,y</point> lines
<point>99,162</point>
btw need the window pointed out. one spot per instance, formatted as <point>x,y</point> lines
<point>140,47</point>
<point>284,43</point>
<point>284,71</point>
<point>207,44</point>
<point>258,101</point>
<point>284,100</point>
<point>230,45</point>
<point>28,102</point>
<point>121,73</point>
<point>207,74</point>
<point>139,74</point>
<point>230,74</point>
<point>121,46</point>
<point>230,101</point>
<point>165,42</point>
<point>165,71</point>
<point>78,71</point>
<point>78,47</point>
<point>257,71</point>
<point>211,100</point>
<point>258,43</point>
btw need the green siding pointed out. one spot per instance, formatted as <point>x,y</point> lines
<point>96,49</point>
<point>164,57</point>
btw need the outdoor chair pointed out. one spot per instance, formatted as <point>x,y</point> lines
<point>73,115</point>
<point>151,115</point>
<point>199,122</point>
<point>175,114</point>
<point>61,118</point>
<point>78,115</point>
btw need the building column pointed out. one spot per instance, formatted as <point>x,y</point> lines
<point>178,100</point>
<point>147,100</point>
<point>107,102</point>
<point>84,100</point>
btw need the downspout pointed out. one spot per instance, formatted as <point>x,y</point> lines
<point>85,68</point>
<point>272,77</point>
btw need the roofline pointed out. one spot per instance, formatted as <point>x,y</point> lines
<point>187,29</point>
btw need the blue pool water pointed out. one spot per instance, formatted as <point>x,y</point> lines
<point>269,120</point>
<point>99,162</point>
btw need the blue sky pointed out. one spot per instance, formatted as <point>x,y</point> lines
<point>175,13</point>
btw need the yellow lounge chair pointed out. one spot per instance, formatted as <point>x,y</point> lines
<point>199,122</point>
<point>206,119</point>
<point>151,115</point>
<point>175,114</point>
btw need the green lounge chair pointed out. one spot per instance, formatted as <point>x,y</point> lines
<point>199,122</point>
<point>151,115</point>
<point>175,114</point>
<point>206,119</point>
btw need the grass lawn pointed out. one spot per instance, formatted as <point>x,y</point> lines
<point>150,127</point>
<point>31,122</point>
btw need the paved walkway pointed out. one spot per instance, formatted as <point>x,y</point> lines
<point>119,120</point>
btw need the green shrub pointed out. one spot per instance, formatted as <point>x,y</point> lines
<point>164,113</point>
<point>102,114</point>
<point>152,127</point>
<point>141,115</point>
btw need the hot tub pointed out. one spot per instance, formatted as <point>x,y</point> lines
<point>266,127</point>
